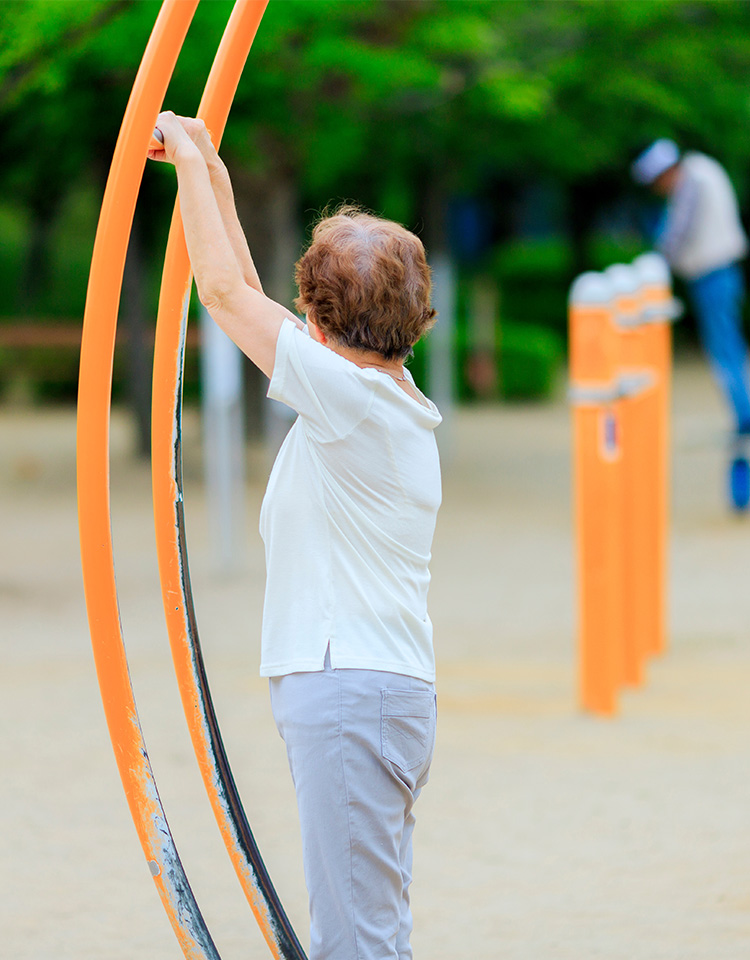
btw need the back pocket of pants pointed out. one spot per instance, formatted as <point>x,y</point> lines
<point>406,726</point>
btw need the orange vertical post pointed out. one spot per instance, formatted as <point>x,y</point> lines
<point>639,455</point>
<point>658,307</point>
<point>597,486</point>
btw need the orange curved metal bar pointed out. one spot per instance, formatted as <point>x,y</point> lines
<point>169,517</point>
<point>95,387</point>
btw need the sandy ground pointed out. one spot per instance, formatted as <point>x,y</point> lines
<point>544,834</point>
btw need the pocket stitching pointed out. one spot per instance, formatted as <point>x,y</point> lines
<point>391,753</point>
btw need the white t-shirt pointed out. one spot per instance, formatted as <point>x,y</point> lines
<point>348,518</point>
<point>703,230</point>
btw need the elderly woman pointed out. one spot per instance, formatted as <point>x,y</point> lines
<point>347,521</point>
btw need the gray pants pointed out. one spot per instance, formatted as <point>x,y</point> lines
<point>359,744</point>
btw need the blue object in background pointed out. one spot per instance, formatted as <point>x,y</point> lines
<point>739,483</point>
<point>469,229</point>
<point>717,300</point>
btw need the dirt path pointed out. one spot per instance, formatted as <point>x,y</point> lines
<point>544,834</point>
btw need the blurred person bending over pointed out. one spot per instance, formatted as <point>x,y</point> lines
<point>702,238</point>
<point>347,521</point>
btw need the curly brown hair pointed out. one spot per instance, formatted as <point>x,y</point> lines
<point>365,283</point>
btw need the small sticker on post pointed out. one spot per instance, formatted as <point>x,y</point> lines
<point>609,435</point>
<point>154,868</point>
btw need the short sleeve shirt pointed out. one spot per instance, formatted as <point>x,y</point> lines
<point>348,518</point>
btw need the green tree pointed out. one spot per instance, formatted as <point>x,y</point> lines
<point>396,103</point>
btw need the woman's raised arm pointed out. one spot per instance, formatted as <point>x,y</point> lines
<point>222,187</point>
<point>228,284</point>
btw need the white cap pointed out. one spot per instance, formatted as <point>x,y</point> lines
<point>654,161</point>
<point>652,269</point>
<point>624,278</point>
<point>591,288</point>
<point>626,283</point>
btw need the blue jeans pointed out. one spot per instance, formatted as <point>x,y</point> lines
<point>717,299</point>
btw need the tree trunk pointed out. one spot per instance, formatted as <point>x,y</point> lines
<point>138,343</point>
<point>441,373</point>
<point>267,208</point>
<point>582,208</point>
<point>36,272</point>
<point>587,198</point>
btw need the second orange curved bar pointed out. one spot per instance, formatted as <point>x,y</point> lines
<point>169,519</point>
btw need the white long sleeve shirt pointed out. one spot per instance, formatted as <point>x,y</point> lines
<point>702,231</point>
<point>348,518</point>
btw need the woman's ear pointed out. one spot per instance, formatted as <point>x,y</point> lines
<point>315,332</point>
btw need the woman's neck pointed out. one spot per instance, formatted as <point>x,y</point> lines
<point>369,358</point>
<point>362,358</point>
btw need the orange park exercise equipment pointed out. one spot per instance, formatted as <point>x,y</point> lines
<point>659,311</point>
<point>95,382</point>
<point>620,371</point>
<point>597,480</point>
<point>97,354</point>
<point>169,518</point>
<point>640,439</point>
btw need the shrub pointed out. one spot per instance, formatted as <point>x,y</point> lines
<point>530,361</point>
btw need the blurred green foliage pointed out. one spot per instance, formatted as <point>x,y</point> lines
<point>399,104</point>
<point>530,358</point>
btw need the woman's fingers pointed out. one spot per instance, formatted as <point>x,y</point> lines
<point>172,131</point>
<point>166,137</point>
<point>193,126</point>
<point>199,133</point>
